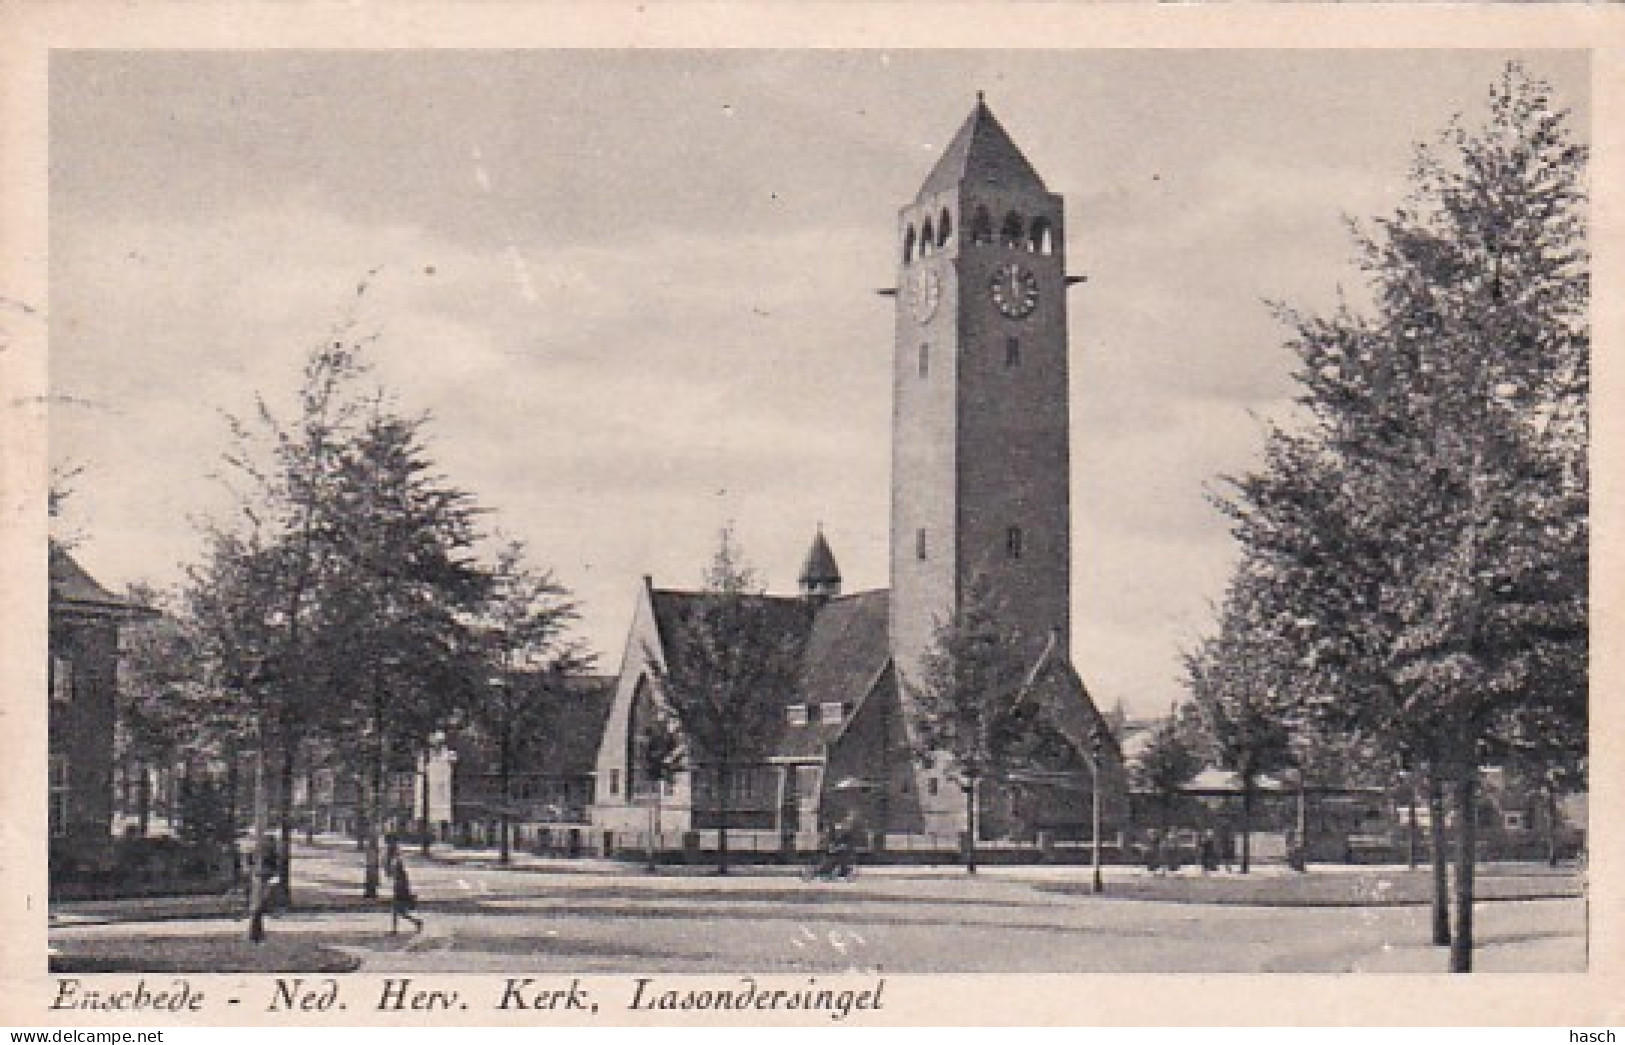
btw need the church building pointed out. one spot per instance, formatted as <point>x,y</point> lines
<point>980,491</point>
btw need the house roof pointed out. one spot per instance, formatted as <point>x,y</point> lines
<point>982,152</point>
<point>73,588</point>
<point>563,736</point>
<point>842,646</point>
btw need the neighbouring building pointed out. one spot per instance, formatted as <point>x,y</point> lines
<point>83,698</point>
<point>550,781</point>
<point>980,488</point>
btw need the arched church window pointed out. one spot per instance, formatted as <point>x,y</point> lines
<point>1041,239</point>
<point>925,360</point>
<point>1012,542</point>
<point>945,228</point>
<point>919,543</point>
<point>927,239</point>
<point>1011,234</point>
<point>1012,352</point>
<point>981,226</point>
<point>908,246</point>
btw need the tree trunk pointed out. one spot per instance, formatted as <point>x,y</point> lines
<point>1552,818</point>
<point>970,827</point>
<point>1461,947</point>
<point>1246,825</point>
<point>284,880</point>
<point>505,779</point>
<point>1413,841</point>
<point>372,822</point>
<point>144,800</point>
<point>724,778</point>
<point>1441,874</point>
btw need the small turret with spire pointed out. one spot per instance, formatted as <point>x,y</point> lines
<point>820,577</point>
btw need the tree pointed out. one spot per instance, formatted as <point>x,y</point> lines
<point>1169,761</point>
<point>1240,693</point>
<point>258,585</point>
<point>1424,540</point>
<point>163,712</point>
<point>393,645</point>
<point>525,619</point>
<point>971,715</point>
<point>659,757</point>
<point>728,664</point>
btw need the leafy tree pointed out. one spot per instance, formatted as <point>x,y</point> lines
<point>1239,689</point>
<point>659,757</point>
<point>970,713</point>
<point>734,655</point>
<point>525,617</point>
<point>394,603</point>
<point>1424,542</point>
<point>162,713</point>
<point>257,589</point>
<point>1170,760</point>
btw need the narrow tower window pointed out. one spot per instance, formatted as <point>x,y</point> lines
<point>981,228</point>
<point>928,239</point>
<point>1012,352</point>
<point>925,360</point>
<point>945,228</point>
<point>919,543</point>
<point>1012,542</point>
<point>1040,240</point>
<point>1011,233</point>
<point>908,246</point>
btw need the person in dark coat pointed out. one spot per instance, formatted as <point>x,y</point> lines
<point>402,899</point>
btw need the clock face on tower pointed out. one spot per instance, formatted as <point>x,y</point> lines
<point>924,291</point>
<point>1014,289</point>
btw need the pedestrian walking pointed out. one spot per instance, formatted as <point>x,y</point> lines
<point>1210,852</point>
<point>403,900</point>
<point>392,853</point>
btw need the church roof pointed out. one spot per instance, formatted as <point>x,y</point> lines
<point>848,648</point>
<point>843,645</point>
<point>820,568</point>
<point>981,152</point>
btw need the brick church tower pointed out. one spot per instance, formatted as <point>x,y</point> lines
<point>980,470</point>
<point>980,461</point>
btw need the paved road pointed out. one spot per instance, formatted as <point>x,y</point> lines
<point>585,918</point>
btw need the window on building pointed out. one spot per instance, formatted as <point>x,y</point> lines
<point>925,360</point>
<point>614,781</point>
<point>1012,542</point>
<point>59,795</point>
<point>1012,352</point>
<point>832,712</point>
<point>812,714</point>
<point>796,714</point>
<point>61,679</point>
<point>931,785</point>
<point>919,543</point>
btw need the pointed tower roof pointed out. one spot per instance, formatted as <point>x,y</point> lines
<point>981,152</point>
<point>819,569</point>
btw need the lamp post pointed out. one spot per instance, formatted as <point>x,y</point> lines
<point>1099,883</point>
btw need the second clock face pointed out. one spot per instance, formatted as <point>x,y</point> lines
<point>924,291</point>
<point>1014,289</point>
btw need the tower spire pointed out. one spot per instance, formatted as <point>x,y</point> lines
<point>981,153</point>
<point>820,577</point>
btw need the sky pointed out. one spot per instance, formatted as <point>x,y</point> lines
<point>635,290</point>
